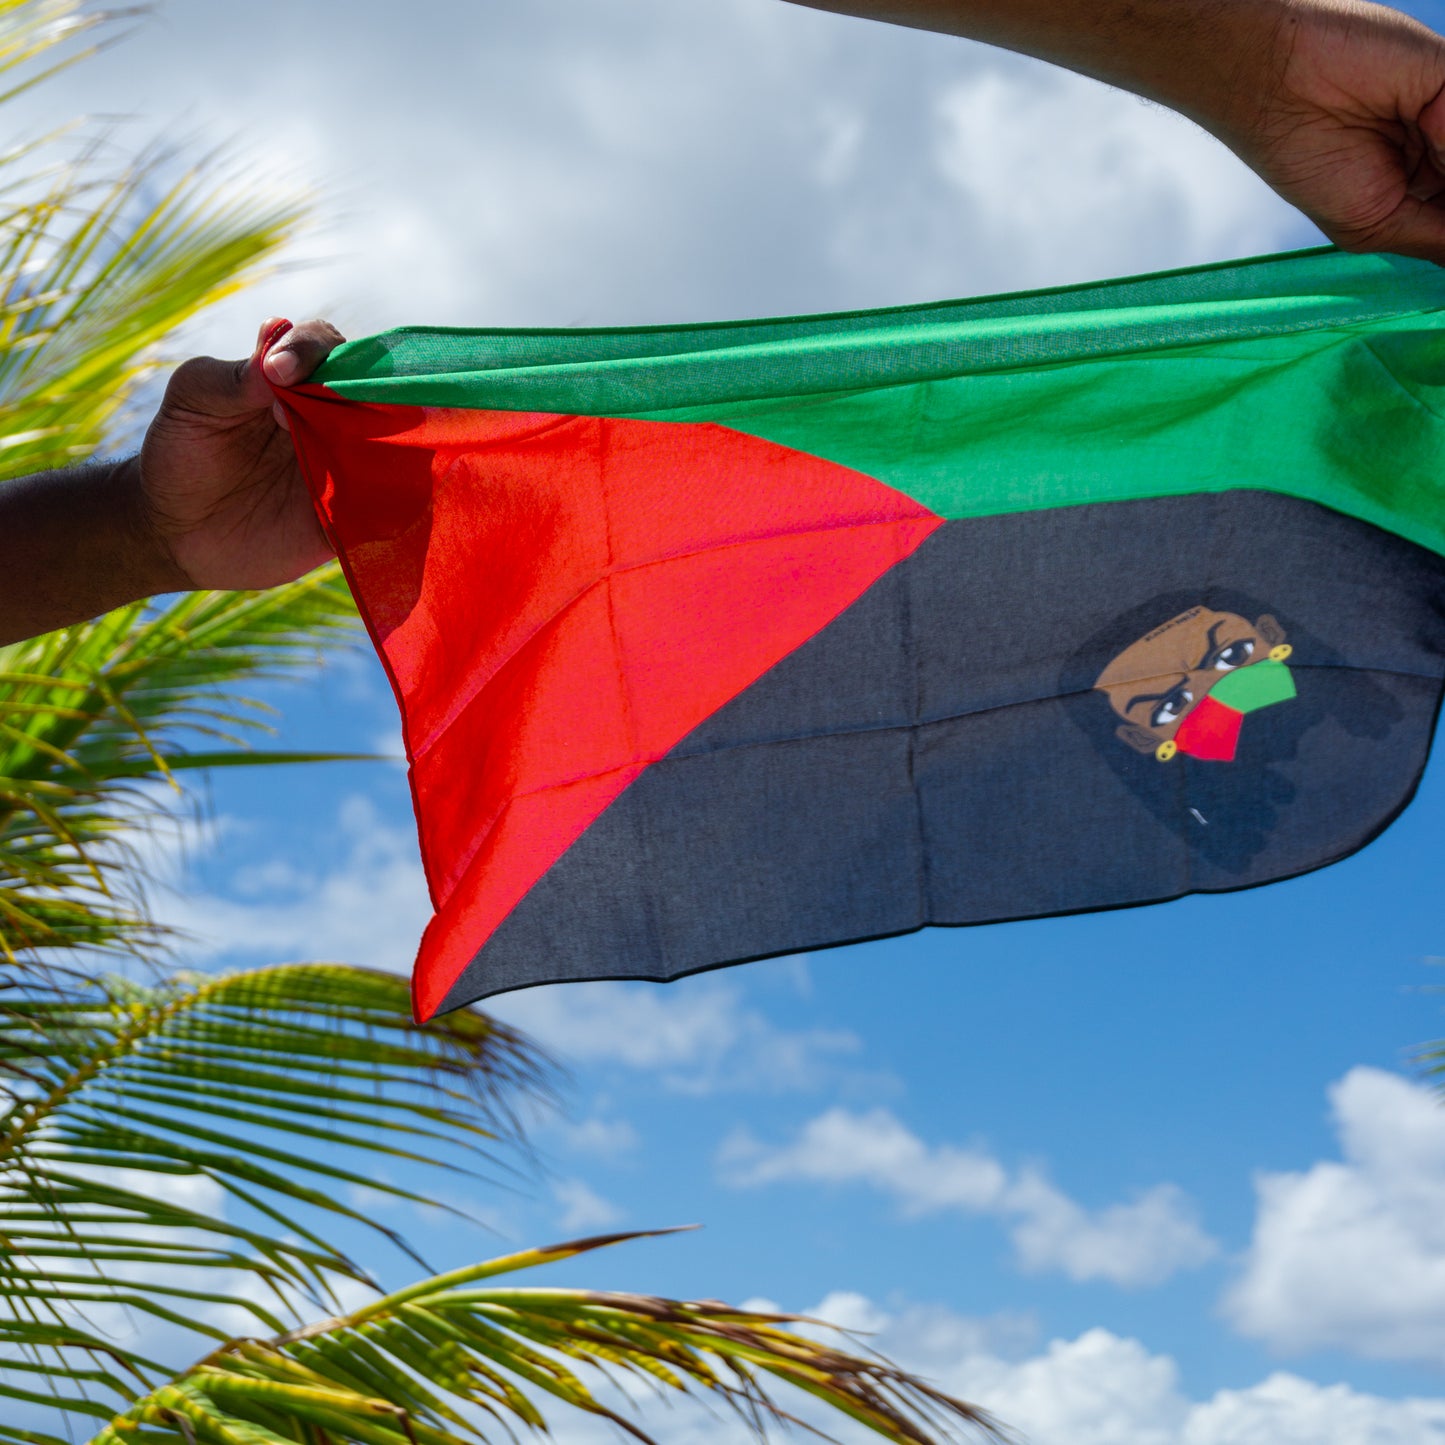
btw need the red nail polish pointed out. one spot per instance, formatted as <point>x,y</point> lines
<point>272,336</point>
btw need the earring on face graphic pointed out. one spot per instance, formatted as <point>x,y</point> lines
<point>1221,711</point>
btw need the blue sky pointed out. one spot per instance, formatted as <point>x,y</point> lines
<point>1157,1177</point>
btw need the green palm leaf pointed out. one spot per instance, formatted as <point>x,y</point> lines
<point>277,1090</point>
<point>453,1359</point>
<point>273,1087</point>
<point>96,271</point>
<point>90,712</point>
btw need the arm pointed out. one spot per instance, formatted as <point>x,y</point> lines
<point>214,499</point>
<point>1338,104</point>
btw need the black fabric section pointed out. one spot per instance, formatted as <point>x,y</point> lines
<point>938,753</point>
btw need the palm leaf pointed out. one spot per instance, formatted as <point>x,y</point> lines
<point>96,270</point>
<point>450,1360</point>
<point>90,712</point>
<point>240,1081</point>
<point>272,1087</point>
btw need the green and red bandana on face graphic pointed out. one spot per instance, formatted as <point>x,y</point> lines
<point>1211,669</point>
<point>716,642</point>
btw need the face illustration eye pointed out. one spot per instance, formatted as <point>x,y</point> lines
<point>1169,709</point>
<point>1235,655</point>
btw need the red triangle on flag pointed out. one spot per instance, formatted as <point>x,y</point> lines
<point>560,600</point>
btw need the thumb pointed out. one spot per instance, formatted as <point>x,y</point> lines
<point>208,387</point>
<point>219,389</point>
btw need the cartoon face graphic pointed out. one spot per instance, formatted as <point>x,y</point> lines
<point>1186,685</point>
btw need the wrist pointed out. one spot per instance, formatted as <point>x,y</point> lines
<point>75,544</point>
<point>141,549</point>
<point>1218,62</point>
<point>1225,69</point>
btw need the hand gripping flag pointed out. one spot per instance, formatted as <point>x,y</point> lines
<point>719,641</point>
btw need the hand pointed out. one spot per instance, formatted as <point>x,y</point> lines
<point>220,491</point>
<point>1349,125</point>
<point>1338,104</point>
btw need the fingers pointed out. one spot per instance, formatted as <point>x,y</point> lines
<point>290,359</point>
<point>288,354</point>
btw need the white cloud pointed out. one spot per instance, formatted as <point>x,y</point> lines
<point>874,1148</point>
<point>1141,1242</point>
<point>1103,1389</point>
<point>1037,155</point>
<point>699,1035</point>
<point>1287,1410</point>
<point>1097,1389</point>
<point>602,1138</point>
<point>365,903</point>
<point>1100,1389</point>
<point>1351,1254</point>
<point>932,1338</point>
<point>197,1193</point>
<point>582,1208</point>
<point>581,163</point>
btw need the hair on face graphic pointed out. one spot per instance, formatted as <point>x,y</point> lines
<point>1135,684</point>
<point>1163,677</point>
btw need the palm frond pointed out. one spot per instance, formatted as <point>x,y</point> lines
<point>97,269</point>
<point>89,713</point>
<point>278,1088</point>
<point>31,33</point>
<point>453,1359</point>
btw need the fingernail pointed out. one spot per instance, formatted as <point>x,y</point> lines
<point>283,367</point>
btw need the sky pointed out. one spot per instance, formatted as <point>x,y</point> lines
<point>1168,1176</point>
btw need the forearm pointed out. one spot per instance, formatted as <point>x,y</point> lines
<point>74,544</point>
<point>1205,58</point>
<point>1337,104</point>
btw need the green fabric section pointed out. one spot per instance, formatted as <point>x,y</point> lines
<point>1349,420</point>
<point>1317,374</point>
<point>1258,685</point>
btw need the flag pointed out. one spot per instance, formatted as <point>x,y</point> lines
<point>721,641</point>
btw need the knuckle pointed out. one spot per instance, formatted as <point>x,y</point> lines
<point>318,332</point>
<point>192,370</point>
<point>189,377</point>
